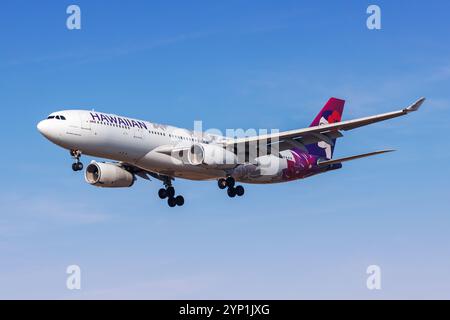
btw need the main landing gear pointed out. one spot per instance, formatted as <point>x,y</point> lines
<point>232,190</point>
<point>77,165</point>
<point>169,193</point>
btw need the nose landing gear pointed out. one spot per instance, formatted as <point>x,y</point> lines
<point>232,190</point>
<point>77,165</point>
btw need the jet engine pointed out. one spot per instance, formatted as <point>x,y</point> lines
<point>211,155</point>
<point>108,175</point>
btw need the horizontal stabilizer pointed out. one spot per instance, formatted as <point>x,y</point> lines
<point>333,161</point>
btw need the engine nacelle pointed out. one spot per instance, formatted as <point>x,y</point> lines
<point>108,175</point>
<point>211,155</point>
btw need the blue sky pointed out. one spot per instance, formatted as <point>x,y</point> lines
<point>231,64</point>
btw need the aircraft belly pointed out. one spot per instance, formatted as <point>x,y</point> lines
<point>261,179</point>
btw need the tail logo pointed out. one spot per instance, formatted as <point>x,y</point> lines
<point>328,117</point>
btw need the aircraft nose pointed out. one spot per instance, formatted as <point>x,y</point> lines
<point>46,129</point>
<point>42,126</point>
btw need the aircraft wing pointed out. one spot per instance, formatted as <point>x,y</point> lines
<point>144,174</point>
<point>301,137</point>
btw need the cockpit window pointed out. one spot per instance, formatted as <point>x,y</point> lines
<point>57,117</point>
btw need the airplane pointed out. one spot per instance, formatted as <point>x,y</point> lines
<point>143,149</point>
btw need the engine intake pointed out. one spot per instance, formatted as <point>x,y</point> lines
<point>211,155</point>
<point>108,175</point>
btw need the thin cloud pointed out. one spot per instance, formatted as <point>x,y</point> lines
<point>86,56</point>
<point>441,74</point>
<point>167,288</point>
<point>22,214</point>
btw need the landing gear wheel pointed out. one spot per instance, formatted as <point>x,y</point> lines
<point>162,193</point>
<point>170,192</point>
<point>239,191</point>
<point>230,182</point>
<point>222,183</point>
<point>171,202</point>
<point>231,192</point>
<point>77,166</point>
<point>179,200</point>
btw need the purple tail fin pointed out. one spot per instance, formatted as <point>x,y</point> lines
<point>330,113</point>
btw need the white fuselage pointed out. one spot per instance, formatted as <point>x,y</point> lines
<point>134,142</point>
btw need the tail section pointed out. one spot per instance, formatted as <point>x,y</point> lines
<point>330,113</point>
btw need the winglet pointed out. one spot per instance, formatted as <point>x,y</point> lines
<point>415,106</point>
